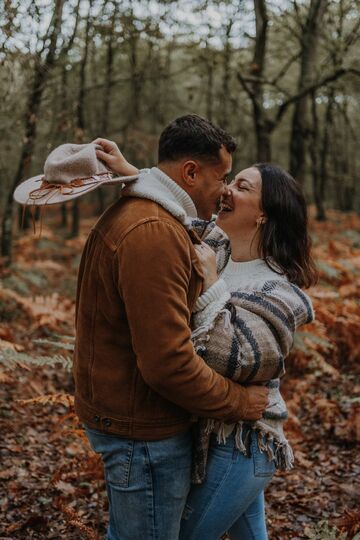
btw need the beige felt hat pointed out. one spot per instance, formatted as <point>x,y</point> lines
<point>71,170</point>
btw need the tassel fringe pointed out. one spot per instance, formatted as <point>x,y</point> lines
<point>239,443</point>
<point>210,426</point>
<point>276,449</point>
<point>284,456</point>
<point>227,318</point>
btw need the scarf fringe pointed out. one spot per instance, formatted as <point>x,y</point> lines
<point>276,449</point>
<point>227,318</point>
<point>284,456</point>
<point>210,426</point>
<point>201,334</point>
<point>239,443</point>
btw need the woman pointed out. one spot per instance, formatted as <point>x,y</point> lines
<point>244,328</point>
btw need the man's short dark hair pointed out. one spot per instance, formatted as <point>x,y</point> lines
<point>194,137</point>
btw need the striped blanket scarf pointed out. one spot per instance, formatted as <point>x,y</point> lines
<point>246,335</point>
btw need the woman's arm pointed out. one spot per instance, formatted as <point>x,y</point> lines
<point>113,158</point>
<point>248,335</point>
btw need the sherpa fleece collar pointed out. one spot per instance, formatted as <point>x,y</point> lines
<point>155,185</point>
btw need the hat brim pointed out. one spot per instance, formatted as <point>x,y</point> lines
<point>22,193</point>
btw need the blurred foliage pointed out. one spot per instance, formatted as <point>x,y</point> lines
<point>318,499</point>
<point>148,62</point>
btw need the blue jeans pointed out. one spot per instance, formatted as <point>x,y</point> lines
<point>231,497</point>
<point>147,484</point>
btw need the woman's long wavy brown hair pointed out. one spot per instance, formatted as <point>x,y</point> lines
<point>284,237</point>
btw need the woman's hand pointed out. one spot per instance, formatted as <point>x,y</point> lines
<point>207,259</point>
<point>113,158</point>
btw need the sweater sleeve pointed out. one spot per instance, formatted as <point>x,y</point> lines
<point>153,268</point>
<point>249,335</point>
<point>217,293</point>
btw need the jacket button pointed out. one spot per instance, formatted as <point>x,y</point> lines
<point>107,422</point>
<point>96,418</point>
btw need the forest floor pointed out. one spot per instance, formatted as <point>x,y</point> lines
<point>52,484</point>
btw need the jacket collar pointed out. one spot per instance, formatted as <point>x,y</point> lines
<point>157,186</point>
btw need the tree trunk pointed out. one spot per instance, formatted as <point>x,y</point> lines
<point>136,79</point>
<point>346,186</point>
<point>64,216</point>
<point>75,219</point>
<point>300,122</point>
<point>42,71</point>
<point>80,118</point>
<point>226,77</point>
<point>107,96</point>
<point>108,73</point>
<point>323,174</point>
<point>66,122</point>
<point>262,126</point>
<point>262,130</point>
<point>263,140</point>
<point>81,95</point>
<point>209,83</point>
<point>313,151</point>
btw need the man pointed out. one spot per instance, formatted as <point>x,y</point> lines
<point>138,378</point>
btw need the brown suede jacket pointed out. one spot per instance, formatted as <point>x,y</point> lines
<point>136,372</point>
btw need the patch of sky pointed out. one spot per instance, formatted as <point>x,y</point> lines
<point>187,20</point>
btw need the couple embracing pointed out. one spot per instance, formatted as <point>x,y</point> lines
<point>183,323</point>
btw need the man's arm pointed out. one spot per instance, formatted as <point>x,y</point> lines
<point>153,267</point>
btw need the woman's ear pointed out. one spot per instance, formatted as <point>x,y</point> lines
<point>189,171</point>
<point>261,221</point>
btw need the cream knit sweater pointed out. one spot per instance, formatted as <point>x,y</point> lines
<point>245,276</point>
<point>243,327</point>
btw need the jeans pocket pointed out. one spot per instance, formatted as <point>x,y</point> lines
<point>116,453</point>
<point>263,466</point>
<point>117,464</point>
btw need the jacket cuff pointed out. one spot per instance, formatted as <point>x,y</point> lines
<point>214,293</point>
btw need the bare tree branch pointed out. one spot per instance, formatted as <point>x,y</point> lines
<point>305,91</point>
<point>248,89</point>
<point>298,15</point>
<point>343,112</point>
<point>285,68</point>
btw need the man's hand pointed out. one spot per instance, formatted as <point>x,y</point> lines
<point>258,400</point>
<point>113,158</point>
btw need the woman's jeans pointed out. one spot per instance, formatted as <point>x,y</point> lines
<point>232,495</point>
<point>147,484</point>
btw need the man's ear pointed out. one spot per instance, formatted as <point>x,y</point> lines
<point>189,171</point>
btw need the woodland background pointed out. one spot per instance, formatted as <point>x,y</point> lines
<point>281,76</point>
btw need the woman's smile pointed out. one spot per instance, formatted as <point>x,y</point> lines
<point>225,206</point>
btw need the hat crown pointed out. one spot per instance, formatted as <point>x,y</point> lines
<point>69,162</point>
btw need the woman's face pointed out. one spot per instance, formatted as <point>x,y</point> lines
<point>241,203</point>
